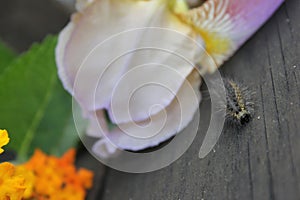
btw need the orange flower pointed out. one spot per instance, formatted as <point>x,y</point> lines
<point>4,139</point>
<point>57,178</point>
<point>86,177</point>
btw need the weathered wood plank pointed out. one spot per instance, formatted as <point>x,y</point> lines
<point>25,22</point>
<point>259,162</point>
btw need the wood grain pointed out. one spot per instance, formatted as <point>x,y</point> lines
<point>260,161</point>
<point>24,22</point>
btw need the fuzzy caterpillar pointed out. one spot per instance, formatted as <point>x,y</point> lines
<point>239,108</point>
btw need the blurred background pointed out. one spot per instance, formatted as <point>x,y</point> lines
<point>24,22</point>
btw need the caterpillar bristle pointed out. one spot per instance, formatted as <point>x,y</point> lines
<point>239,108</point>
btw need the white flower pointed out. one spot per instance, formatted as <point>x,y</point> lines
<point>131,63</point>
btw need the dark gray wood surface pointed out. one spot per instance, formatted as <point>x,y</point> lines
<point>261,161</point>
<point>24,22</point>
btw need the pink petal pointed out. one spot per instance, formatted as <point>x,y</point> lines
<point>226,24</point>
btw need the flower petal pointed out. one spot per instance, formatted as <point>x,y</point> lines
<point>82,4</point>
<point>60,49</point>
<point>226,24</point>
<point>104,148</point>
<point>93,81</point>
<point>163,125</point>
<point>4,139</point>
<point>141,89</point>
<point>97,124</point>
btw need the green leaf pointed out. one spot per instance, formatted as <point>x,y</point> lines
<point>6,56</point>
<point>34,108</point>
<point>57,132</point>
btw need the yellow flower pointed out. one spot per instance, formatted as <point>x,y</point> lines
<point>4,139</point>
<point>29,180</point>
<point>12,183</point>
<point>15,182</point>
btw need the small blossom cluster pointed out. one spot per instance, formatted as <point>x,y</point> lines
<point>43,177</point>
